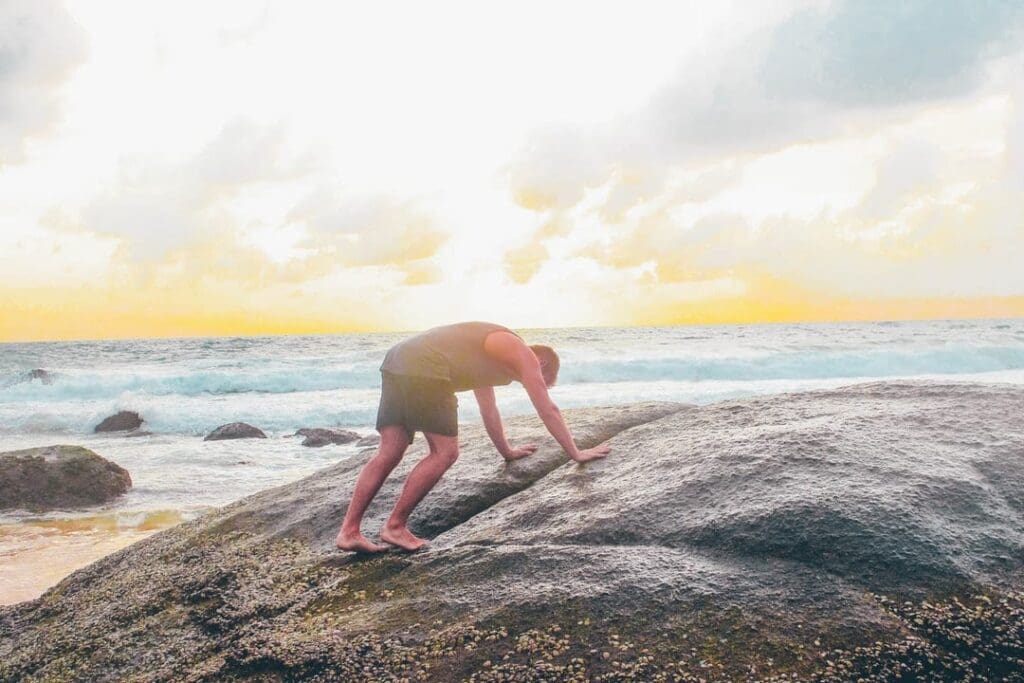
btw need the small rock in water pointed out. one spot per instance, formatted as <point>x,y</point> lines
<point>321,436</point>
<point>369,440</point>
<point>235,430</point>
<point>41,375</point>
<point>123,421</point>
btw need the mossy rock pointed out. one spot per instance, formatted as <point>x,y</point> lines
<point>53,477</point>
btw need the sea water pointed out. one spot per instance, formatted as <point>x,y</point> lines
<point>183,388</point>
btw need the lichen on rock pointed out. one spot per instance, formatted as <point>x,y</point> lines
<point>52,477</point>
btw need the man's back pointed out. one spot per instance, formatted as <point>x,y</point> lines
<point>453,353</point>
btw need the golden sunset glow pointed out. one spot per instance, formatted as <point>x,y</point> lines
<point>174,169</point>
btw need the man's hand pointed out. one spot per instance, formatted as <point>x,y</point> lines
<point>594,453</point>
<point>521,452</point>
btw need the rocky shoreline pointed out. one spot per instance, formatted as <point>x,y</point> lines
<point>867,533</point>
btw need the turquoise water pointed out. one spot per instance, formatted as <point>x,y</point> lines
<point>189,386</point>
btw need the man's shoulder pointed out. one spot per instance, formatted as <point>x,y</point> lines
<point>477,324</point>
<point>502,343</point>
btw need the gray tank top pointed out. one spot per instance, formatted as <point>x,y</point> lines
<point>454,353</point>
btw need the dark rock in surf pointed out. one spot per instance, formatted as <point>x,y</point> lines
<point>138,432</point>
<point>323,436</point>
<point>123,421</point>
<point>368,440</point>
<point>235,430</point>
<point>53,477</point>
<point>751,533</point>
<point>41,375</point>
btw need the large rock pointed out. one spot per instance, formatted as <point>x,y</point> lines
<point>747,539</point>
<point>323,436</point>
<point>54,477</point>
<point>122,421</point>
<point>235,430</point>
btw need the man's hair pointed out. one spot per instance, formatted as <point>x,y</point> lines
<point>548,362</point>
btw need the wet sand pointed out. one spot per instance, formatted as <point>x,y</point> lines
<point>36,555</point>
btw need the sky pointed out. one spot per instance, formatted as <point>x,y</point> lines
<point>208,168</point>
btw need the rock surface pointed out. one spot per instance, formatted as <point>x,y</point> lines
<point>235,430</point>
<point>323,436</point>
<point>122,421</point>
<point>53,477</point>
<point>749,539</point>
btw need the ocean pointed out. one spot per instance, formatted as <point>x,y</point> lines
<point>183,388</point>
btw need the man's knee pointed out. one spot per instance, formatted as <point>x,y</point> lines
<point>448,454</point>
<point>392,446</point>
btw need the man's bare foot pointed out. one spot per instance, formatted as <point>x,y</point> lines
<point>402,537</point>
<point>357,543</point>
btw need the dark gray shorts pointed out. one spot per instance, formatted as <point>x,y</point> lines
<point>420,404</point>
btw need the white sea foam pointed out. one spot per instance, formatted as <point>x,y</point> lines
<point>281,383</point>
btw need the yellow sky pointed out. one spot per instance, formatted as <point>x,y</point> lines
<point>244,168</point>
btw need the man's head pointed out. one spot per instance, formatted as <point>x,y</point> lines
<point>548,362</point>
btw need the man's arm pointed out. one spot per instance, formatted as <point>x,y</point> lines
<point>514,352</point>
<point>495,430</point>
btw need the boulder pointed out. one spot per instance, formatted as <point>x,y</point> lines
<point>872,532</point>
<point>322,436</point>
<point>235,430</point>
<point>53,477</point>
<point>122,421</point>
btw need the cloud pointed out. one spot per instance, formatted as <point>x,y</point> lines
<point>802,76</point>
<point>926,208</point>
<point>159,205</point>
<point>40,45</point>
<point>812,159</point>
<point>376,230</point>
<point>878,52</point>
<point>248,207</point>
<point>522,263</point>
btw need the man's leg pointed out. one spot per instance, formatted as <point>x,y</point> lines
<point>393,442</point>
<point>444,450</point>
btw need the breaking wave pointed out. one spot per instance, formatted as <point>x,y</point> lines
<point>188,386</point>
<point>576,369</point>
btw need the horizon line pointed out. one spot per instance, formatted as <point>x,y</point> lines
<point>875,321</point>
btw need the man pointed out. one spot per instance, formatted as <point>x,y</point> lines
<point>419,379</point>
